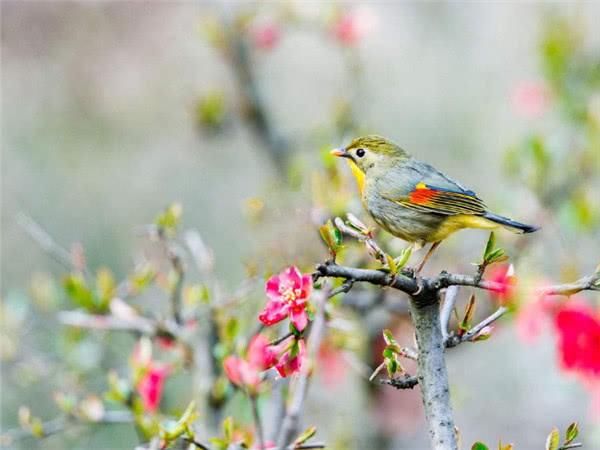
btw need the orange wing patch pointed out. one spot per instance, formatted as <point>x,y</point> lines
<point>443,201</point>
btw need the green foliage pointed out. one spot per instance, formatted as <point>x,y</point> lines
<point>168,221</point>
<point>332,237</point>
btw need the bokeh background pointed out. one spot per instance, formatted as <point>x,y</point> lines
<point>113,110</point>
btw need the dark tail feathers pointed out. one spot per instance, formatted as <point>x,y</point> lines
<point>512,225</point>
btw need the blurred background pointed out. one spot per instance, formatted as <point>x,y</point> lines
<point>113,110</point>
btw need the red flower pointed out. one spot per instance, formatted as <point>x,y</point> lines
<point>288,295</point>
<point>292,360</point>
<point>353,25</point>
<point>578,328</point>
<point>150,387</point>
<point>503,276</point>
<point>530,99</point>
<point>266,35</point>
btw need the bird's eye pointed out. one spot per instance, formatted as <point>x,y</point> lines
<point>360,152</point>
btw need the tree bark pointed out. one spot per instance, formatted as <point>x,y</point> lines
<point>432,373</point>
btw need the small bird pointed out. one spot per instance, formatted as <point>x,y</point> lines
<point>414,201</point>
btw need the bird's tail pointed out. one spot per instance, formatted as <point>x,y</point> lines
<point>512,225</point>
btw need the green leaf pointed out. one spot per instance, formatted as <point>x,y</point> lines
<point>479,446</point>
<point>228,429</point>
<point>392,366</point>
<point>391,264</point>
<point>553,440</point>
<point>77,290</point>
<point>305,436</point>
<point>404,257</point>
<point>388,337</point>
<point>388,353</point>
<point>491,243</point>
<point>572,432</point>
<point>169,219</point>
<point>331,236</point>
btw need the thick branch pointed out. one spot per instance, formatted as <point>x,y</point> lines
<point>432,374</point>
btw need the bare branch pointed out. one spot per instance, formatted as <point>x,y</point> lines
<point>406,382</point>
<point>257,422</point>
<point>447,308</point>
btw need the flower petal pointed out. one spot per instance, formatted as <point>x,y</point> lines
<point>260,353</point>
<point>291,277</point>
<point>274,312</point>
<point>306,289</point>
<point>299,318</point>
<point>231,365</point>
<point>272,287</point>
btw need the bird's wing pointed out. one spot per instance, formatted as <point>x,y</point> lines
<point>432,191</point>
<point>426,197</point>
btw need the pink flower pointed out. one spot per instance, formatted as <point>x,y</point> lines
<point>266,35</point>
<point>530,99</point>
<point>331,364</point>
<point>503,276</point>
<point>246,372</point>
<point>533,317</point>
<point>288,295</point>
<point>578,328</point>
<point>353,25</point>
<point>292,360</point>
<point>150,387</point>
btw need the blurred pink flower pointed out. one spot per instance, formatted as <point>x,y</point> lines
<point>150,387</point>
<point>354,24</point>
<point>292,360</point>
<point>578,328</point>
<point>530,99</point>
<point>533,317</point>
<point>246,372</point>
<point>503,275</point>
<point>288,295</point>
<point>332,365</point>
<point>266,35</point>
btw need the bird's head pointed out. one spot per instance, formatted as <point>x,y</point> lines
<point>368,152</point>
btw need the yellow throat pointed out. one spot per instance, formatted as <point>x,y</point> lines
<point>359,176</point>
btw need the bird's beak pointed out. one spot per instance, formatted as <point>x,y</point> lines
<point>340,152</point>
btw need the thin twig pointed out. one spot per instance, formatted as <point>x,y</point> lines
<point>281,339</point>
<point>257,421</point>
<point>454,340</point>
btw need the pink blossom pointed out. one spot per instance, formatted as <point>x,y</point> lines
<point>150,387</point>
<point>288,295</point>
<point>331,364</point>
<point>578,328</point>
<point>353,25</point>
<point>245,372</point>
<point>292,360</point>
<point>533,317</point>
<point>266,35</point>
<point>503,276</point>
<point>530,99</point>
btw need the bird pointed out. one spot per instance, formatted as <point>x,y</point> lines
<point>414,201</point>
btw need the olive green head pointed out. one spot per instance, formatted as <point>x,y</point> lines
<point>372,151</point>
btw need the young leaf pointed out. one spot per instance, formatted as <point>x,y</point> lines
<point>388,337</point>
<point>391,264</point>
<point>572,432</point>
<point>466,321</point>
<point>305,436</point>
<point>228,429</point>
<point>479,446</point>
<point>553,440</point>
<point>331,236</point>
<point>491,243</point>
<point>404,257</point>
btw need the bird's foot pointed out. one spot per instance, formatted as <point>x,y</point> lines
<point>410,272</point>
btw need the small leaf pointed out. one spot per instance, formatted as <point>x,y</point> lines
<point>331,236</point>
<point>388,353</point>
<point>78,291</point>
<point>305,436</point>
<point>228,429</point>
<point>553,440</point>
<point>388,337</point>
<point>479,446</point>
<point>491,243</point>
<point>392,366</point>
<point>169,219</point>
<point>357,224</point>
<point>404,257</point>
<point>572,432</point>
<point>466,321</point>
<point>391,264</point>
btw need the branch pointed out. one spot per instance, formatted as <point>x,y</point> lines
<point>447,308</point>
<point>406,382</point>
<point>454,340</point>
<point>291,421</point>
<point>46,242</point>
<point>61,423</point>
<point>589,283</point>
